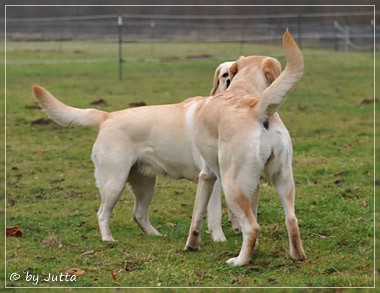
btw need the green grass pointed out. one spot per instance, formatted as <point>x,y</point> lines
<point>51,192</point>
<point>48,51</point>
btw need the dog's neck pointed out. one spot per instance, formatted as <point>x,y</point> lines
<point>240,87</point>
<point>243,88</point>
<point>248,82</point>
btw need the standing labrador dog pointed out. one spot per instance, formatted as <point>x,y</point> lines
<point>134,145</point>
<point>278,131</point>
<point>233,134</point>
<point>222,79</point>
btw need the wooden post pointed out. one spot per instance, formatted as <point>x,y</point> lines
<point>119,26</point>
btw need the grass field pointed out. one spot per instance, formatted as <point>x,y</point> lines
<point>51,192</point>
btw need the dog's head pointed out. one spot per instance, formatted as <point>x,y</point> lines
<point>254,73</point>
<point>222,78</point>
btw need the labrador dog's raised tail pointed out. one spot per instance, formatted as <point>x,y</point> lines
<point>67,116</point>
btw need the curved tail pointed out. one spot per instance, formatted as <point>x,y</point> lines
<point>275,94</point>
<point>65,115</point>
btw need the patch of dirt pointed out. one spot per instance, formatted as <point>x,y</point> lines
<point>98,102</point>
<point>136,104</point>
<point>368,101</point>
<point>33,107</point>
<point>42,121</point>
<point>197,57</point>
<point>170,58</point>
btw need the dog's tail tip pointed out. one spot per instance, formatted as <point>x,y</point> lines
<point>275,94</point>
<point>288,40</point>
<point>38,91</point>
<point>286,37</point>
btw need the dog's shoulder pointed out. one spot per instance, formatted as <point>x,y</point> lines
<point>191,101</point>
<point>237,101</point>
<point>248,101</point>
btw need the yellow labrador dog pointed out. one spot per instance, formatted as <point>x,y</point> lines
<point>222,78</point>
<point>234,136</point>
<point>142,174</point>
<point>134,145</point>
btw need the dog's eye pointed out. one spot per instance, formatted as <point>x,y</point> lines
<point>225,74</point>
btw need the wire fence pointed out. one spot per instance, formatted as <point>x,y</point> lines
<point>108,35</point>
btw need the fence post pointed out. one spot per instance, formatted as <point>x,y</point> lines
<point>336,43</point>
<point>299,24</point>
<point>373,35</point>
<point>152,25</point>
<point>241,41</point>
<point>119,26</point>
<point>346,39</point>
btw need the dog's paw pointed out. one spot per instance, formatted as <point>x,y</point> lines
<point>218,236</point>
<point>193,242</point>
<point>300,256</point>
<point>154,233</point>
<point>108,239</point>
<point>236,261</point>
<point>191,248</point>
<point>221,238</point>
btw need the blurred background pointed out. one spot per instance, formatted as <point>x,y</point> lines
<point>171,33</point>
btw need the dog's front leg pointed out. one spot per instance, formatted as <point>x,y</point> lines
<point>143,188</point>
<point>214,213</point>
<point>205,185</point>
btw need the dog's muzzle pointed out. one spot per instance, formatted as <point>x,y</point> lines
<point>228,82</point>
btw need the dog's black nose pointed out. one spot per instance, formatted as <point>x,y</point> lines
<point>228,82</point>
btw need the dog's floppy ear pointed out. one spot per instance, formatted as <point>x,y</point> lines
<point>235,66</point>
<point>234,69</point>
<point>271,69</point>
<point>216,81</point>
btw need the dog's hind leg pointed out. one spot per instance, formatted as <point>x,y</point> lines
<point>111,175</point>
<point>281,174</point>
<point>241,206</point>
<point>143,187</point>
<point>110,192</point>
<point>240,171</point>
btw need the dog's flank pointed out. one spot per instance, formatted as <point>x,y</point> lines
<point>65,115</point>
<point>276,93</point>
